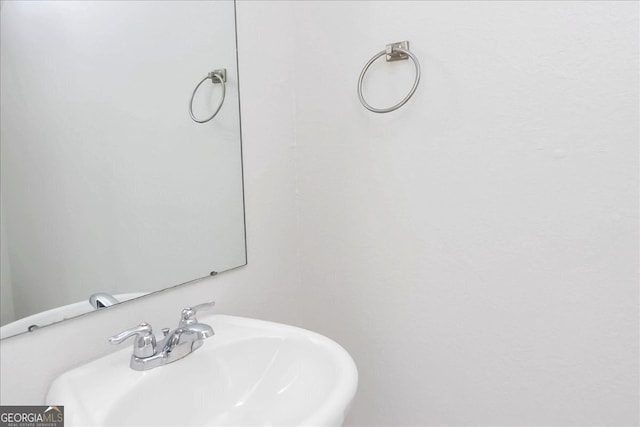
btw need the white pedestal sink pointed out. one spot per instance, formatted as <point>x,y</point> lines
<point>250,373</point>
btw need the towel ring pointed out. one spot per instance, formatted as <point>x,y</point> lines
<point>395,52</point>
<point>216,76</point>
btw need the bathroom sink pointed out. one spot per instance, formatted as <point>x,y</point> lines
<point>251,372</point>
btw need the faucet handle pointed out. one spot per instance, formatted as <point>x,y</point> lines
<point>188,316</point>
<point>145,343</point>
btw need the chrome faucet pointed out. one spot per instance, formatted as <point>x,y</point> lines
<point>102,299</point>
<point>185,339</point>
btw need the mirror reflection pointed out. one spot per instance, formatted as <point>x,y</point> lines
<point>109,189</point>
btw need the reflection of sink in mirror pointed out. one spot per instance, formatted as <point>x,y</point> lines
<point>55,315</point>
<point>251,372</point>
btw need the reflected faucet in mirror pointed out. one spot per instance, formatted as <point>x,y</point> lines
<point>102,300</point>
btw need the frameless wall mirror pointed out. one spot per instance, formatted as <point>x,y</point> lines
<point>108,185</point>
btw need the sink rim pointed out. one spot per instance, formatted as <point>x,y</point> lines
<point>336,402</point>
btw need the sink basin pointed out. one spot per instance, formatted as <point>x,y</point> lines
<point>251,372</point>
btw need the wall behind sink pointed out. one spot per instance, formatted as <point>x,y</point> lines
<point>476,251</point>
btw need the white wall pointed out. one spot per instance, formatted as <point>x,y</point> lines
<point>6,287</point>
<point>476,251</point>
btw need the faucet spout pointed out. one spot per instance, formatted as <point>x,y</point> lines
<point>201,330</point>
<point>192,334</point>
<point>102,299</point>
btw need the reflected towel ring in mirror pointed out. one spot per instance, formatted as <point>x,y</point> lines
<point>216,76</point>
<point>394,52</point>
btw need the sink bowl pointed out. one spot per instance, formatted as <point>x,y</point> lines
<point>250,373</point>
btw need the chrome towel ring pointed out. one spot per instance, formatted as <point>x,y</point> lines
<point>216,76</point>
<point>395,52</point>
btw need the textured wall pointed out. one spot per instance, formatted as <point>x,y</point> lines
<point>477,250</point>
<point>6,290</point>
